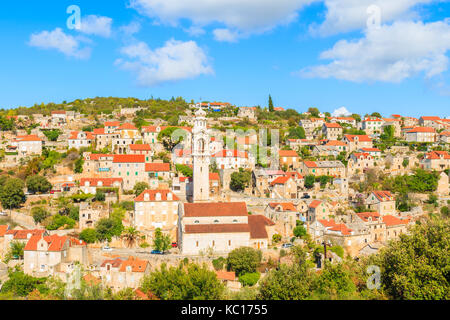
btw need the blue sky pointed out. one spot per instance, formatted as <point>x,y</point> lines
<point>305,53</point>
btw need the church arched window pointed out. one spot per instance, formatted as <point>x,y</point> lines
<point>201,145</point>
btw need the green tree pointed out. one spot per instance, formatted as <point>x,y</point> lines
<point>309,181</point>
<point>140,187</point>
<point>52,135</point>
<point>59,221</point>
<point>240,180</point>
<point>292,282</point>
<point>131,236</point>
<point>417,266</point>
<point>244,260</point>
<point>172,136</point>
<point>300,231</point>
<point>334,282</point>
<point>297,133</point>
<point>271,108</point>
<point>11,193</point>
<point>38,184</point>
<point>185,170</point>
<point>314,112</point>
<point>39,214</point>
<point>161,242</point>
<point>89,235</point>
<point>20,284</point>
<point>79,165</point>
<point>249,279</point>
<point>185,282</point>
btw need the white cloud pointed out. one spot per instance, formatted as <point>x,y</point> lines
<point>131,28</point>
<point>341,112</point>
<point>225,35</point>
<point>176,60</point>
<point>391,53</point>
<point>348,15</point>
<point>195,31</point>
<point>60,41</point>
<point>244,15</point>
<point>95,25</point>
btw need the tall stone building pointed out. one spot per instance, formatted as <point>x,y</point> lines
<point>201,157</point>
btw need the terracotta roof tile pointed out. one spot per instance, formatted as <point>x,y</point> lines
<point>157,167</point>
<point>217,228</point>
<point>218,209</point>
<point>129,158</point>
<point>152,195</point>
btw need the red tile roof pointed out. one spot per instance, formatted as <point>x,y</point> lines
<point>332,125</point>
<point>258,225</point>
<point>97,156</point>
<point>363,138</point>
<point>394,221</point>
<point>435,155</point>
<point>136,265</point>
<point>365,216</point>
<point>23,234</point>
<point>99,131</point>
<point>431,118</point>
<point>342,228</point>
<point>157,167</point>
<point>140,147</point>
<point>225,275</point>
<point>55,243</point>
<point>280,180</point>
<point>129,158</point>
<point>214,176</point>
<point>30,137</point>
<point>219,209</point>
<point>370,149</point>
<point>315,203</point>
<point>383,195</point>
<point>422,129</point>
<point>114,263</point>
<point>286,206</point>
<point>288,153</point>
<point>3,229</point>
<point>310,164</point>
<point>152,195</point>
<point>94,182</point>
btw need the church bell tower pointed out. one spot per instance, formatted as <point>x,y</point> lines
<point>201,157</point>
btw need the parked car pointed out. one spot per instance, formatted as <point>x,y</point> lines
<point>287,245</point>
<point>157,252</point>
<point>174,245</point>
<point>3,214</point>
<point>55,191</point>
<point>306,196</point>
<point>107,248</point>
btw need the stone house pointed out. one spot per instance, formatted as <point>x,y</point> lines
<point>284,215</point>
<point>284,188</point>
<point>359,162</point>
<point>332,131</point>
<point>131,168</point>
<point>221,228</point>
<point>46,255</point>
<point>289,158</point>
<point>318,209</point>
<point>382,202</point>
<point>421,134</point>
<point>356,142</point>
<point>436,160</point>
<point>119,274</point>
<point>155,209</point>
<point>323,168</point>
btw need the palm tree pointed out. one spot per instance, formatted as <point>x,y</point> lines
<point>131,235</point>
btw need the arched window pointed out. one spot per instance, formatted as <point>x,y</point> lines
<point>201,145</point>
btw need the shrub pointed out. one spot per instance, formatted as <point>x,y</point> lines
<point>39,214</point>
<point>88,235</point>
<point>249,279</point>
<point>338,250</point>
<point>276,238</point>
<point>59,221</point>
<point>219,263</point>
